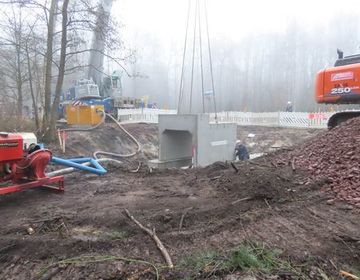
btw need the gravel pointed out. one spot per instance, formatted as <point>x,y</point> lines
<point>335,157</point>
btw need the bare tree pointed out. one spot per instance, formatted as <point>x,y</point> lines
<point>65,51</point>
<point>49,63</point>
<point>12,56</point>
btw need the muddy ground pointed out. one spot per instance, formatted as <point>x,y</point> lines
<point>258,139</point>
<point>85,234</point>
<point>263,140</point>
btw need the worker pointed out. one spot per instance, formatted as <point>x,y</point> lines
<point>289,107</point>
<point>241,152</point>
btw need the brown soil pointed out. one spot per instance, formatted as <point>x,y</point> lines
<point>110,138</point>
<point>270,139</point>
<point>284,210</point>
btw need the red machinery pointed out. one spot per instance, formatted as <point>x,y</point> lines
<point>340,85</point>
<point>22,165</point>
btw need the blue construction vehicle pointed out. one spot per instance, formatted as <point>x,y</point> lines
<point>86,92</point>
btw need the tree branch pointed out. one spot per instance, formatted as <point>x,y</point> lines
<point>104,54</point>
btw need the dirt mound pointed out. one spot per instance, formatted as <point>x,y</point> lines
<point>194,210</point>
<point>333,156</point>
<point>110,138</point>
<point>84,233</point>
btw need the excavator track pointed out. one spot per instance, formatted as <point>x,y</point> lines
<point>341,117</point>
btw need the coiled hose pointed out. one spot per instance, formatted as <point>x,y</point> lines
<point>96,153</point>
<point>116,154</point>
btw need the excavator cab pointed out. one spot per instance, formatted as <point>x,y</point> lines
<point>347,60</point>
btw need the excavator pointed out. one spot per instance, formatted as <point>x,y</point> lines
<point>340,85</point>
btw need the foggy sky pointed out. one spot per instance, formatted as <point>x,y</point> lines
<point>232,19</point>
<point>156,29</point>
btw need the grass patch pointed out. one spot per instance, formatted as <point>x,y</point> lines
<point>117,235</point>
<point>202,260</point>
<point>251,256</point>
<point>247,257</point>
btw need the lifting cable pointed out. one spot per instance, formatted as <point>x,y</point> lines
<point>193,56</point>
<point>201,61</point>
<point>181,91</point>
<point>210,59</point>
<point>197,26</point>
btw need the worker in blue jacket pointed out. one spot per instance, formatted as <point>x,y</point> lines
<point>241,152</point>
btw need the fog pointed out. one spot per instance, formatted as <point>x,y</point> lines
<point>264,53</point>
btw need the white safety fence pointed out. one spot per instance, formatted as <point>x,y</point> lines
<point>142,115</point>
<point>278,119</point>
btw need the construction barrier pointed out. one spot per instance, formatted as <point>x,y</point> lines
<point>277,119</point>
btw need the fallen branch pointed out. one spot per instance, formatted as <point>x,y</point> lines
<point>348,275</point>
<point>235,168</point>
<point>183,217</point>
<point>293,164</point>
<point>153,235</point>
<point>241,199</point>
<point>286,149</point>
<point>267,203</point>
<point>348,238</point>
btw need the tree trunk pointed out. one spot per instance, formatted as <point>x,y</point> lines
<point>36,115</point>
<point>39,88</point>
<point>60,78</point>
<point>19,85</point>
<point>48,66</point>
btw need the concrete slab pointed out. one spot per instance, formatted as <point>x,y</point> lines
<point>192,137</point>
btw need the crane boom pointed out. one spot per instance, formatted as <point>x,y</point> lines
<point>96,60</point>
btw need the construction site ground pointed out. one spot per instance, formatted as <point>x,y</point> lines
<point>202,216</point>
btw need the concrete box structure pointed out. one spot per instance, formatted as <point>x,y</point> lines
<point>191,139</point>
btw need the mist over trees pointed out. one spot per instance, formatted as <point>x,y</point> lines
<point>261,72</point>
<point>45,47</point>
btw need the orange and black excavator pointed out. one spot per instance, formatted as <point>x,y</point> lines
<point>340,85</point>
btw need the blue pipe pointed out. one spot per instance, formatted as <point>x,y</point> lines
<point>75,163</point>
<point>79,160</point>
